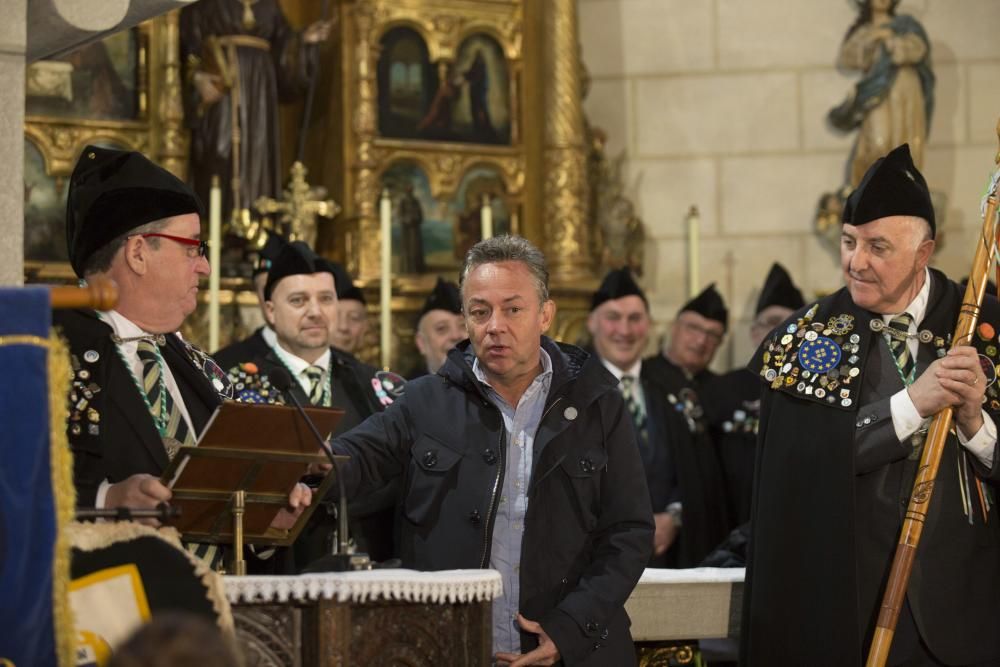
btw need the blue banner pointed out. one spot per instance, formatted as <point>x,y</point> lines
<point>27,506</point>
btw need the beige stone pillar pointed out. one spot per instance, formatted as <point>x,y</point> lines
<point>13,42</point>
<point>566,234</point>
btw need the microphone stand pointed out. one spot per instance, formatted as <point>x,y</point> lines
<point>344,559</point>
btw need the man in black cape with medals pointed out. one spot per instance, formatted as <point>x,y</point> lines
<point>850,384</point>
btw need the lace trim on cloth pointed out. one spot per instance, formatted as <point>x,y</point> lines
<point>449,586</point>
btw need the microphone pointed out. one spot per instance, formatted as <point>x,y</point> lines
<point>342,560</point>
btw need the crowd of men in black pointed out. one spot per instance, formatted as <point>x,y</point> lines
<point>506,449</point>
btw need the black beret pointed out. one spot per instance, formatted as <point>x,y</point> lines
<point>779,290</point>
<point>111,192</point>
<point>346,289</point>
<point>708,304</point>
<point>444,296</point>
<point>617,284</point>
<point>268,253</point>
<point>891,186</point>
<point>295,259</point>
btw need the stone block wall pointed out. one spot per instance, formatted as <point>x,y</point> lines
<point>722,104</point>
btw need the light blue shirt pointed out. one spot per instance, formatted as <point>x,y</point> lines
<point>521,424</point>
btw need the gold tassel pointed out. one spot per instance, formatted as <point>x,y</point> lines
<point>64,496</point>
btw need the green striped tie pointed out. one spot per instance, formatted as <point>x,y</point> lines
<point>315,375</point>
<point>899,347</point>
<point>161,402</point>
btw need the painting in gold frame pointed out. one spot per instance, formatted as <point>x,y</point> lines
<point>142,65</point>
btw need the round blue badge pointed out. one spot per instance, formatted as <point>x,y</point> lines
<point>819,355</point>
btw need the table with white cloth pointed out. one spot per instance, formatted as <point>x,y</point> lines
<point>377,617</point>
<point>674,612</point>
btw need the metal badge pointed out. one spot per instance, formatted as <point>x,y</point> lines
<point>570,413</point>
<point>91,356</point>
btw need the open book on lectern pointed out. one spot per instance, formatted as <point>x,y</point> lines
<point>260,449</point>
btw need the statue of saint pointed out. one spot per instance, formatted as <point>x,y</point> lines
<point>893,101</point>
<point>411,218</point>
<point>242,53</point>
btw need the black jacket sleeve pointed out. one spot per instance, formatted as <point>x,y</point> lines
<point>623,543</point>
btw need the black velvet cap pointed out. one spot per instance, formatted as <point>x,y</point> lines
<point>779,290</point>
<point>708,304</point>
<point>295,259</point>
<point>272,247</point>
<point>346,289</point>
<point>111,192</point>
<point>891,186</point>
<point>444,296</point>
<point>617,284</point>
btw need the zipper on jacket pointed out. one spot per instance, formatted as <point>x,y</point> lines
<point>491,515</point>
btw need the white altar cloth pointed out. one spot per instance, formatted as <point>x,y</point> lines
<point>446,586</point>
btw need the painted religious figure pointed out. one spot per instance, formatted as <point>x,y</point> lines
<point>406,83</point>
<point>242,58</point>
<point>893,101</point>
<point>410,215</point>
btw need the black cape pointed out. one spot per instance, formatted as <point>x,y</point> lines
<point>826,511</point>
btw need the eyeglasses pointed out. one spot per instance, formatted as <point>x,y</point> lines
<point>713,336</point>
<point>191,243</point>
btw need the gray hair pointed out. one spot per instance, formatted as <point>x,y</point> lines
<point>508,248</point>
<point>101,260</point>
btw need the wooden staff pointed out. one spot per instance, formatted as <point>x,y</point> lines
<point>923,485</point>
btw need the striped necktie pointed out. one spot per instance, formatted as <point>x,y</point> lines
<point>899,347</point>
<point>315,375</point>
<point>635,407</point>
<point>161,403</point>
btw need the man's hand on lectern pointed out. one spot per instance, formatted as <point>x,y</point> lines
<point>139,491</point>
<point>298,500</point>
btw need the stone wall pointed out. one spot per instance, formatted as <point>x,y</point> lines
<point>722,104</point>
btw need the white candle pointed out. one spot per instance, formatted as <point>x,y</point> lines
<point>486,219</point>
<point>694,282</point>
<point>385,228</point>
<point>214,251</point>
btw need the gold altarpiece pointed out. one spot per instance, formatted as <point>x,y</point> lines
<point>540,155</point>
<point>537,152</point>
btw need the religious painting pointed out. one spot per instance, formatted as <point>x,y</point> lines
<point>478,183</point>
<point>44,210</point>
<point>45,207</point>
<point>481,91</point>
<point>406,83</point>
<point>423,239</point>
<point>99,81</point>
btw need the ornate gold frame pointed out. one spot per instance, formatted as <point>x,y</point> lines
<point>158,131</point>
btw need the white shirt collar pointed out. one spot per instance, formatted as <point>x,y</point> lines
<point>297,364</point>
<point>619,373</point>
<point>918,307</point>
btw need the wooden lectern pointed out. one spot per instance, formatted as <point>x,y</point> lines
<point>232,484</point>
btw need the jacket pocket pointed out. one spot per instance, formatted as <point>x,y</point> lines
<point>433,469</point>
<point>585,469</point>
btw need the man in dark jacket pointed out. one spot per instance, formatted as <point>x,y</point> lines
<point>519,455</point>
<point>619,325</point>
<point>851,382</point>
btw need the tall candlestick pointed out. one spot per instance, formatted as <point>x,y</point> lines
<point>693,222</point>
<point>214,252</point>
<point>486,219</point>
<point>385,228</point>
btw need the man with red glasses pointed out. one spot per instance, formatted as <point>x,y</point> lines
<point>139,391</point>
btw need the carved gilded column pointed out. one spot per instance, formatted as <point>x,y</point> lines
<point>363,164</point>
<point>566,232</point>
<point>172,151</point>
